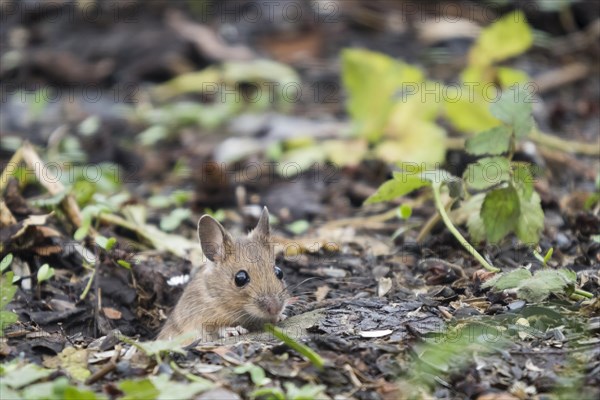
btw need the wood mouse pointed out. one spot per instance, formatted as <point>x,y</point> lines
<point>238,289</point>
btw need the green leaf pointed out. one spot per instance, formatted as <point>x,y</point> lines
<point>219,214</point>
<point>508,280</point>
<point>411,132</point>
<point>304,350</point>
<point>295,161</point>
<point>7,318</point>
<point>471,207</point>
<point>74,362</point>
<point>44,273</point>
<point>47,390</point>
<point>505,38</point>
<point>25,375</point>
<point>172,221</point>
<point>179,197</point>
<point>7,292</point>
<point>345,152</point>
<point>50,201</point>
<point>138,390</point>
<point>306,392</point>
<point>124,264</point>
<point>500,211</point>
<point>548,255</point>
<point>105,243</point>
<point>7,393</point>
<point>494,141</point>
<point>257,374</point>
<point>160,346</point>
<point>372,79</point>
<point>404,211</point>
<point>152,135</point>
<point>7,289</point>
<point>531,220</point>
<point>72,392</point>
<point>271,393</point>
<point>89,126</point>
<point>487,172</point>
<point>514,108</point>
<point>169,389</point>
<point>537,287</point>
<point>523,179</point>
<point>544,283</point>
<point>298,227</point>
<point>5,263</point>
<point>160,201</point>
<point>401,184</point>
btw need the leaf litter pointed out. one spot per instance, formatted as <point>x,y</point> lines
<point>373,316</point>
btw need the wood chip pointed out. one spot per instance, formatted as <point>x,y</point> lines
<point>385,285</point>
<point>375,334</point>
<point>321,292</point>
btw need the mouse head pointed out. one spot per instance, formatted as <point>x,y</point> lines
<point>243,271</point>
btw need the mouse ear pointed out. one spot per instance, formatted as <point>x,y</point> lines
<point>263,229</point>
<point>217,244</point>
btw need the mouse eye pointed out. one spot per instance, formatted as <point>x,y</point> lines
<point>278,272</point>
<point>241,278</point>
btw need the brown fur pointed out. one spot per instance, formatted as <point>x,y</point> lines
<point>212,301</point>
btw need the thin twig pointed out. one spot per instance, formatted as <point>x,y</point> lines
<point>431,222</point>
<point>106,369</point>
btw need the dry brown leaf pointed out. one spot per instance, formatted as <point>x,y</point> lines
<point>321,292</point>
<point>32,220</point>
<point>47,250</point>
<point>111,313</point>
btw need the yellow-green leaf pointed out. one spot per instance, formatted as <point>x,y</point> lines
<point>505,38</point>
<point>372,79</point>
<point>345,152</point>
<point>510,76</point>
<point>424,145</point>
<point>468,112</point>
<point>400,185</point>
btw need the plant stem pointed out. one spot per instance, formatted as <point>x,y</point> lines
<point>10,168</point>
<point>543,139</point>
<point>568,146</point>
<point>583,293</point>
<point>88,286</point>
<point>470,249</point>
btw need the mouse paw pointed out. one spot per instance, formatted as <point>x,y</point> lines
<point>228,331</point>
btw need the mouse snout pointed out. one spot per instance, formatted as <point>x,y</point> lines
<point>271,305</point>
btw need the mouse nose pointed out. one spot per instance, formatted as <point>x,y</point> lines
<point>271,305</point>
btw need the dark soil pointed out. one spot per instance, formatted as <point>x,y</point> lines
<point>434,284</point>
